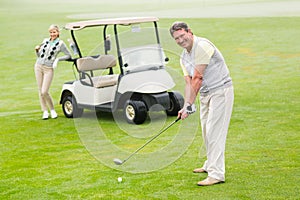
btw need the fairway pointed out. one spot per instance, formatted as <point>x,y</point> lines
<point>73,159</point>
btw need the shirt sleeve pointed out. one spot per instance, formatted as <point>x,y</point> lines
<point>38,53</point>
<point>66,51</point>
<point>203,53</point>
<point>185,72</point>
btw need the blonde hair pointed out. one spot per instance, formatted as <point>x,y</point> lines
<point>54,27</point>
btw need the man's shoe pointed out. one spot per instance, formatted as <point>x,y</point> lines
<point>209,181</point>
<point>45,115</point>
<point>199,170</point>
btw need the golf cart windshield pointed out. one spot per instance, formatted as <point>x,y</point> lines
<point>142,58</point>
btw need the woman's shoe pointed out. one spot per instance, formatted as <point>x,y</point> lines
<point>45,115</point>
<point>53,114</point>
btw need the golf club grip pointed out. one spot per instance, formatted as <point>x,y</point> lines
<point>178,118</point>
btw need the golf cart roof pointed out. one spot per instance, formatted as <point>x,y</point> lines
<point>102,22</point>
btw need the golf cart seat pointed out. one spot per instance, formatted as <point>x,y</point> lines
<point>90,64</point>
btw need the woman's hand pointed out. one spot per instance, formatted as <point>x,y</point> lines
<point>37,48</point>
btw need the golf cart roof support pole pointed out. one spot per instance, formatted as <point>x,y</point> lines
<point>76,45</point>
<point>156,32</point>
<point>118,49</point>
<point>105,50</point>
<point>104,38</point>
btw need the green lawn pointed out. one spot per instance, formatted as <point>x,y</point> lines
<point>55,159</point>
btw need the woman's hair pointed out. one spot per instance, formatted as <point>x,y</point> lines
<point>54,27</point>
<point>176,26</point>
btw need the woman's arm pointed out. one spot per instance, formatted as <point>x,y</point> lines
<point>66,51</point>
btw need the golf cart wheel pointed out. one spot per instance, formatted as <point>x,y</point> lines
<point>70,108</point>
<point>135,112</point>
<point>176,103</point>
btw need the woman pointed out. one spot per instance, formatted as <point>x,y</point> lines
<point>44,67</point>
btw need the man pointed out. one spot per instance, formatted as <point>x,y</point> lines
<point>205,72</point>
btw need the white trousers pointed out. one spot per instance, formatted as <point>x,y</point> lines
<point>215,113</point>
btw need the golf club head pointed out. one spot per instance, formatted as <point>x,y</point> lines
<point>118,161</point>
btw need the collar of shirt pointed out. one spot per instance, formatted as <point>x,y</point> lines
<point>54,41</point>
<point>193,47</point>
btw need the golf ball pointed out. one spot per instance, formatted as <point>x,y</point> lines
<point>119,179</point>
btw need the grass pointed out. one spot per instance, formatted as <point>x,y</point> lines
<point>53,159</point>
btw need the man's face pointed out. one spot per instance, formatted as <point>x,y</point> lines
<point>183,39</point>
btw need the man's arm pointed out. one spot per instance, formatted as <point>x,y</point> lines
<point>182,113</point>
<point>187,89</point>
<point>192,87</point>
<point>195,83</point>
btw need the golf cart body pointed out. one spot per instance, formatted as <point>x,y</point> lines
<point>139,82</point>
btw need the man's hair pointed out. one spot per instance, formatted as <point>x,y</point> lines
<point>176,26</point>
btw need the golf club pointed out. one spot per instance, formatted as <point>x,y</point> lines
<point>120,162</point>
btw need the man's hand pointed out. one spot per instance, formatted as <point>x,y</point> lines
<point>190,108</point>
<point>182,114</point>
<point>186,111</point>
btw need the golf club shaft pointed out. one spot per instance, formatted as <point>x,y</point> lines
<point>152,139</point>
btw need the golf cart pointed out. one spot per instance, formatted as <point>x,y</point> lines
<point>141,80</point>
